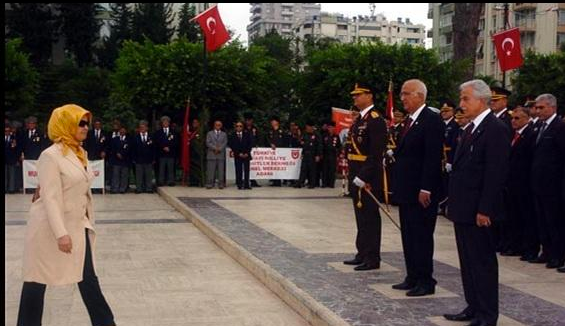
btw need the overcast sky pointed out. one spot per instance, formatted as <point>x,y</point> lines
<point>236,15</point>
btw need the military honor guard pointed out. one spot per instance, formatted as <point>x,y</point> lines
<point>418,187</point>
<point>447,113</point>
<point>332,148</point>
<point>365,155</point>
<point>476,185</point>
<point>276,138</point>
<point>311,144</point>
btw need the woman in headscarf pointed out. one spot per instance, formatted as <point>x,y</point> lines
<point>59,240</point>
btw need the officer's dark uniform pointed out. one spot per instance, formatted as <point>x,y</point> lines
<point>143,155</point>
<point>332,147</point>
<point>12,153</point>
<point>196,158</point>
<point>499,93</point>
<point>449,144</point>
<point>277,138</point>
<point>255,138</point>
<point>368,143</point>
<point>311,148</point>
<point>120,163</point>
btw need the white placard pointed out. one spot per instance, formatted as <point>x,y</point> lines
<point>31,180</point>
<point>278,164</point>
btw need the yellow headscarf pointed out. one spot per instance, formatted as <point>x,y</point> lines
<point>63,126</point>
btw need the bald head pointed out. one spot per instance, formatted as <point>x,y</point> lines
<point>413,94</point>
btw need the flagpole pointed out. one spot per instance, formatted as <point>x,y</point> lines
<point>205,67</point>
<point>504,28</point>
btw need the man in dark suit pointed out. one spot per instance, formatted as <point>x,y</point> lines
<point>167,143</point>
<point>547,181</point>
<point>418,187</point>
<point>519,231</point>
<point>143,155</point>
<point>311,144</point>
<point>96,142</point>
<point>34,141</point>
<point>476,185</point>
<point>241,143</point>
<point>332,147</point>
<point>120,161</point>
<point>368,136</point>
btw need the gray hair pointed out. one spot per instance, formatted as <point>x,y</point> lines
<point>143,122</point>
<point>165,118</point>
<point>549,98</point>
<point>480,89</point>
<point>422,89</point>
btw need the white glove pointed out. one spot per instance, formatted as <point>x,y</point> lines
<point>358,182</point>
<point>448,167</point>
<point>390,152</point>
<point>384,162</point>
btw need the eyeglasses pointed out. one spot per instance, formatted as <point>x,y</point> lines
<point>83,123</point>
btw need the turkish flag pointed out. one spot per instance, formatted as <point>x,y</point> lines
<point>508,49</point>
<point>213,28</point>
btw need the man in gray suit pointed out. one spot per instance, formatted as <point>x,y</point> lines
<point>216,142</point>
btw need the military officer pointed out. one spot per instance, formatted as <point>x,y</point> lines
<point>499,106</point>
<point>332,147</point>
<point>311,155</point>
<point>447,113</point>
<point>276,137</point>
<point>365,155</point>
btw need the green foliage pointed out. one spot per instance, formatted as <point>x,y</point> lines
<point>152,21</point>
<point>491,81</point>
<point>88,87</point>
<point>332,72</point>
<point>20,79</point>
<point>36,25</point>
<point>80,29</point>
<point>151,77</point>
<point>187,28</point>
<point>541,74</point>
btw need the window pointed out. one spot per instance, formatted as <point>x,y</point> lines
<point>368,28</point>
<point>560,39</point>
<point>562,17</point>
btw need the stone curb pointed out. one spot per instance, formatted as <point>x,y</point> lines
<point>311,310</point>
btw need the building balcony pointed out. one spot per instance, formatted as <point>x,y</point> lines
<point>287,13</point>
<point>430,34</point>
<point>446,8</point>
<point>525,6</point>
<point>526,24</point>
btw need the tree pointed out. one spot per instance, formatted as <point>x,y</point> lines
<point>331,73</point>
<point>153,21</point>
<point>538,75</point>
<point>80,28</point>
<point>188,28</point>
<point>36,25</point>
<point>160,77</point>
<point>465,32</point>
<point>20,79</point>
<point>120,30</point>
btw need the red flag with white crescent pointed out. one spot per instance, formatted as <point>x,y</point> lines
<point>508,49</point>
<point>213,28</point>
